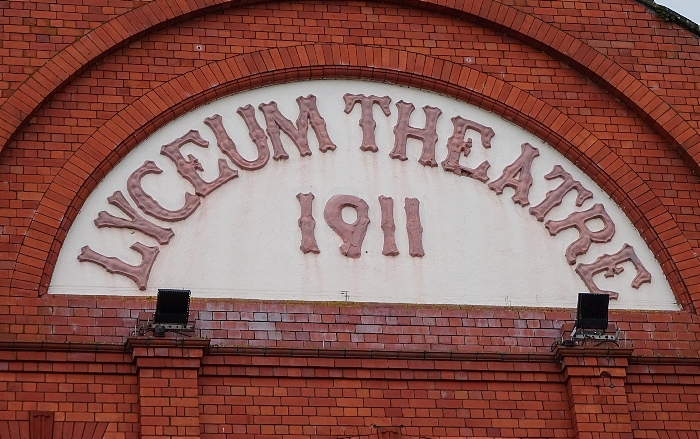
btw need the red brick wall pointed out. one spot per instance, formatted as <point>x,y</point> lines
<point>606,83</point>
<point>664,398</point>
<point>327,397</point>
<point>87,392</point>
<point>277,369</point>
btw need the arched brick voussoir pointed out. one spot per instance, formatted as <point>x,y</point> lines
<point>100,153</point>
<point>122,30</point>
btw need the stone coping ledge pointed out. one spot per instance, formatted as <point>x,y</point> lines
<point>239,350</point>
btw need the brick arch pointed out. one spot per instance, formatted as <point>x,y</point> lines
<point>98,155</point>
<point>128,27</point>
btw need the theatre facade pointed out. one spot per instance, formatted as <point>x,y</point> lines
<point>385,214</point>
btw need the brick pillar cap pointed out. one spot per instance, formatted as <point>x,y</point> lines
<point>561,352</point>
<point>158,342</point>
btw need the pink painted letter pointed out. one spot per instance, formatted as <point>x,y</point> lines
<point>414,228</point>
<point>519,168</point>
<point>351,234</point>
<point>136,221</point>
<point>427,135</point>
<point>307,224</point>
<point>308,112</point>
<point>388,226</point>
<point>609,265</point>
<point>137,273</point>
<point>367,122</point>
<point>227,146</point>
<point>188,167</point>
<point>555,197</point>
<point>456,146</point>
<point>578,221</point>
<point>146,203</point>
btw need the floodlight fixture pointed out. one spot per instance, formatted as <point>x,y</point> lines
<point>172,312</point>
<point>592,311</point>
<point>592,319</point>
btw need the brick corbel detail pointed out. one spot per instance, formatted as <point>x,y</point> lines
<point>595,379</point>
<point>168,385</point>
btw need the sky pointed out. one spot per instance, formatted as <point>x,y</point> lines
<point>688,8</point>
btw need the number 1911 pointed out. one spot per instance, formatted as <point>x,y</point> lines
<point>354,234</point>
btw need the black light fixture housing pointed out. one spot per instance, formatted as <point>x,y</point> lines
<point>172,312</point>
<point>592,319</point>
<point>173,307</point>
<point>592,311</point>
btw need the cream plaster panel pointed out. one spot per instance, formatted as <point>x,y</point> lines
<point>243,242</point>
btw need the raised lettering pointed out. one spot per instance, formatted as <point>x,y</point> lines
<point>255,132</point>
<point>367,122</point>
<point>610,265</point>
<point>150,206</point>
<point>352,234</point>
<point>414,228</point>
<point>138,273</point>
<point>578,221</point>
<point>520,168</point>
<point>427,135</point>
<point>456,146</point>
<point>188,167</point>
<point>308,112</point>
<point>388,226</point>
<point>136,221</point>
<point>307,224</point>
<point>555,197</point>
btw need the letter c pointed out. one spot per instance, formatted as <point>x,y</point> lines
<point>150,206</point>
